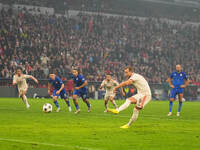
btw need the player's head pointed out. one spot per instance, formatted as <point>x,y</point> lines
<point>19,71</point>
<point>75,72</point>
<point>52,76</point>
<point>128,71</point>
<point>108,77</point>
<point>178,68</point>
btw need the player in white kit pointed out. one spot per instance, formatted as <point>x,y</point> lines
<point>142,97</point>
<point>109,85</point>
<point>19,79</point>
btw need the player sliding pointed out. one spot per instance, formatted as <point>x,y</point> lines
<point>79,90</point>
<point>177,81</point>
<point>20,79</point>
<point>59,90</point>
<point>109,85</point>
<point>142,97</point>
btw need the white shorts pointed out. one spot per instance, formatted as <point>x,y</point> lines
<point>142,99</point>
<point>20,90</point>
<point>108,95</point>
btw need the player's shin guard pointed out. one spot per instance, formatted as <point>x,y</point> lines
<point>67,102</point>
<point>170,106</point>
<point>77,107</point>
<point>24,98</point>
<point>179,106</point>
<point>134,116</point>
<point>56,103</point>
<point>114,103</point>
<point>125,105</point>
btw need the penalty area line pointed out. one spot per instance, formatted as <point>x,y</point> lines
<point>45,144</point>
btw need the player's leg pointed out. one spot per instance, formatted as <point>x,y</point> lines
<point>141,102</point>
<point>113,101</point>
<point>55,96</point>
<point>76,103</point>
<point>56,103</point>
<point>180,97</point>
<point>106,99</point>
<point>172,97</point>
<point>130,100</point>
<point>63,95</point>
<point>24,98</point>
<point>85,99</point>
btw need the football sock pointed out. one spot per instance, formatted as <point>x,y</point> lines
<point>24,98</point>
<point>179,107</point>
<point>68,104</point>
<point>114,103</point>
<point>170,106</point>
<point>106,104</point>
<point>134,116</point>
<point>125,105</point>
<point>77,107</point>
<point>56,103</point>
<point>88,104</point>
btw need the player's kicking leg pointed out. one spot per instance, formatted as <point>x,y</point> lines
<point>180,97</point>
<point>24,98</point>
<point>76,104</point>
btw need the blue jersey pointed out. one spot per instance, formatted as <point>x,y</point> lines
<point>57,83</point>
<point>178,78</point>
<point>78,81</point>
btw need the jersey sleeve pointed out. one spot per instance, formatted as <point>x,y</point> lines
<point>133,78</point>
<point>82,79</point>
<point>27,76</point>
<point>59,80</point>
<point>103,82</point>
<point>116,83</point>
<point>14,79</point>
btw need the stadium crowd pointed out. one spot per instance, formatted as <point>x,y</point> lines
<point>97,45</point>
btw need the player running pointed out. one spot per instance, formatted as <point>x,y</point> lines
<point>142,97</point>
<point>80,90</point>
<point>59,90</point>
<point>19,79</point>
<point>177,81</point>
<point>109,85</point>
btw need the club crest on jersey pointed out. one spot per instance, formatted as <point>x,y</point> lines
<point>181,74</point>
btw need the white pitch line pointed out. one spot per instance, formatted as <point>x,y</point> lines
<point>45,144</point>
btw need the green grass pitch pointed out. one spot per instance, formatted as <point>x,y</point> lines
<point>22,129</point>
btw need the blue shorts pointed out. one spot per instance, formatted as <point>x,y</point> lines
<point>63,94</point>
<point>176,91</point>
<point>81,93</point>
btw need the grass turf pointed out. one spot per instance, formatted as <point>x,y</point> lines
<point>22,129</point>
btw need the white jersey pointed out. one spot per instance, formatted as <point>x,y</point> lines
<point>141,84</point>
<point>109,86</point>
<point>21,81</point>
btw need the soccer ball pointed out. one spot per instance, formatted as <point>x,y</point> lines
<point>47,108</point>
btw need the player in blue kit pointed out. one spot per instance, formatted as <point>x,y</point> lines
<point>177,81</point>
<point>79,90</point>
<point>59,90</point>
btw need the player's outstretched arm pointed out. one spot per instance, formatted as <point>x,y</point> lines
<point>49,88</point>
<point>14,81</point>
<point>125,83</point>
<point>33,78</point>
<point>102,85</point>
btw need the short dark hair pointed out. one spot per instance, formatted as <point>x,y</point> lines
<point>19,68</point>
<point>129,68</point>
